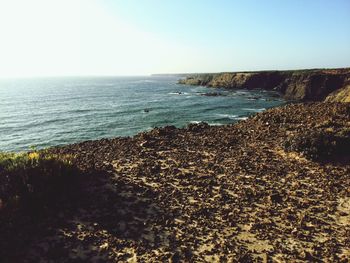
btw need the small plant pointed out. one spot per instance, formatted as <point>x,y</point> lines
<point>33,187</point>
<point>32,176</point>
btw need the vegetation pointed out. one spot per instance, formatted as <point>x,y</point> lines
<point>323,145</point>
<point>34,188</point>
<point>34,177</point>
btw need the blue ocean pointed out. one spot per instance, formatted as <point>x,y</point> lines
<point>47,112</point>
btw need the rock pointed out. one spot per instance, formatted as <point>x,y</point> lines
<point>197,127</point>
<point>341,95</point>
<point>231,193</point>
<point>304,85</point>
<point>276,197</point>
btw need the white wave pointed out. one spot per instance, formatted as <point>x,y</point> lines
<point>230,116</point>
<point>254,110</point>
<point>241,118</point>
<point>195,122</point>
<point>241,92</point>
<point>216,124</point>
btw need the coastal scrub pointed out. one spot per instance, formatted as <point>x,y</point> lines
<point>24,176</point>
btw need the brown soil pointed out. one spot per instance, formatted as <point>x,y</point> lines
<point>204,194</point>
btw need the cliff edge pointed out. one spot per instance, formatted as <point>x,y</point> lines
<point>302,85</point>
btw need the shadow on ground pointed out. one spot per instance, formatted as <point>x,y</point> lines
<point>91,217</point>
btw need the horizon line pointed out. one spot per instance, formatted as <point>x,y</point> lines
<point>155,74</point>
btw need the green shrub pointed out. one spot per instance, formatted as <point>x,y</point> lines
<point>33,178</point>
<point>34,188</point>
<point>322,145</point>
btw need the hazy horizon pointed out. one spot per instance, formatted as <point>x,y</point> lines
<point>153,74</point>
<point>72,38</point>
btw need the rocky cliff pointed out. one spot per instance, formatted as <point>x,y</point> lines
<point>341,95</point>
<point>304,85</point>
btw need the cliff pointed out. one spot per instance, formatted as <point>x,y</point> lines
<point>341,95</point>
<point>303,85</point>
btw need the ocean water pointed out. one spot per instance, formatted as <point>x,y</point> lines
<point>55,111</point>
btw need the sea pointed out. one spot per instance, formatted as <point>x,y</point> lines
<point>37,113</point>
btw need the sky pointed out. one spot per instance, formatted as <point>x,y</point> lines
<point>141,37</point>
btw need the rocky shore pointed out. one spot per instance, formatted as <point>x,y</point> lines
<point>303,85</point>
<point>275,187</point>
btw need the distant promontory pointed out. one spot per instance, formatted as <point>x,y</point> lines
<point>302,85</point>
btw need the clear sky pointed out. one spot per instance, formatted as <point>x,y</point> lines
<point>138,37</point>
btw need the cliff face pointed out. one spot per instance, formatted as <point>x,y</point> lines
<point>341,95</point>
<point>312,86</point>
<point>304,85</point>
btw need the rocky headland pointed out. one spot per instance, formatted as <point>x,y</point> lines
<point>302,85</point>
<point>272,188</point>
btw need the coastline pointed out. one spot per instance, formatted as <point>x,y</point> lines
<point>175,131</point>
<point>245,191</point>
<point>295,85</point>
<point>89,109</point>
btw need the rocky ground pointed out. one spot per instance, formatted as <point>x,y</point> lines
<point>248,192</point>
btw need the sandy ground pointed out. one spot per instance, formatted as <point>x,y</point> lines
<point>203,194</point>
